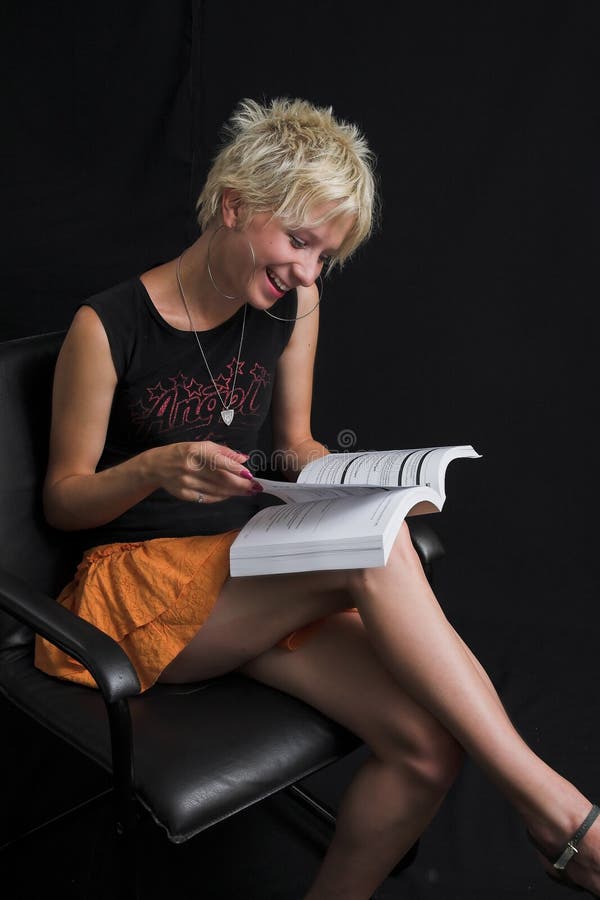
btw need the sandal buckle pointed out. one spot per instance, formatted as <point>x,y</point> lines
<point>566,856</point>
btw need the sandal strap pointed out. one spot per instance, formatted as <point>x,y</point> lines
<point>571,848</point>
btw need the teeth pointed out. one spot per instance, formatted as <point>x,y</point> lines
<point>282,287</point>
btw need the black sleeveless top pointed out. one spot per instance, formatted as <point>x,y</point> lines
<point>165,394</point>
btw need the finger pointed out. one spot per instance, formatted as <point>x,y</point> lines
<point>206,461</point>
<point>223,463</point>
<point>227,451</point>
<point>204,496</point>
<point>234,454</point>
<point>205,493</point>
<point>192,495</point>
<point>212,457</point>
<point>220,484</point>
<point>229,485</point>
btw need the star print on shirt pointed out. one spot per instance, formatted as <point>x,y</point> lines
<point>182,402</point>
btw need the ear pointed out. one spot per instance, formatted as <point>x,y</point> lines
<point>230,207</point>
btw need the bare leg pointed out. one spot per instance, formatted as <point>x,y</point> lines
<point>397,791</point>
<point>251,615</point>
<point>413,640</point>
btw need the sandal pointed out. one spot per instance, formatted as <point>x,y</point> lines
<point>567,854</point>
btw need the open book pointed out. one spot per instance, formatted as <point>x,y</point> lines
<point>344,511</point>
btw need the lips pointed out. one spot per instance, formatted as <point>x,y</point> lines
<point>280,286</point>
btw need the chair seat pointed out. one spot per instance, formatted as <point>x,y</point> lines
<point>258,740</point>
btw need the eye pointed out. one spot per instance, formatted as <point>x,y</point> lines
<point>299,244</point>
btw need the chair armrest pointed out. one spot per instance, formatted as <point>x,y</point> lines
<point>426,542</point>
<point>108,664</point>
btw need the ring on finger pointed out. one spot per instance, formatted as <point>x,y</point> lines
<point>200,498</point>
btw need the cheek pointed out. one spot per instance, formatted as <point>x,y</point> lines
<point>268,251</point>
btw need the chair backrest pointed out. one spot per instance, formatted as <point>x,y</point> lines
<point>29,548</point>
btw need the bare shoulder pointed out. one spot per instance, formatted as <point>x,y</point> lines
<point>306,329</point>
<point>86,346</point>
<point>292,393</point>
<point>84,385</point>
<point>307,298</point>
<point>86,322</point>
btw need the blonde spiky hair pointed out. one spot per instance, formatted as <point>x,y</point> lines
<point>289,157</point>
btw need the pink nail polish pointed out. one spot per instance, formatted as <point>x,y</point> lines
<point>256,488</point>
<point>244,473</point>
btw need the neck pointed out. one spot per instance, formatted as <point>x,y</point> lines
<point>207,307</point>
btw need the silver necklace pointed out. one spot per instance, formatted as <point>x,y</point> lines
<point>226,413</point>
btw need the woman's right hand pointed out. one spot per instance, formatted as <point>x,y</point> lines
<point>200,470</point>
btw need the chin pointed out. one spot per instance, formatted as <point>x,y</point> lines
<point>262,303</point>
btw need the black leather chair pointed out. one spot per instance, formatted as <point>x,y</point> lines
<point>186,756</point>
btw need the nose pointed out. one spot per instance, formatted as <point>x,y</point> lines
<point>308,270</point>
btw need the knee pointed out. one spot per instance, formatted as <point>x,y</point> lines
<point>403,558</point>
<point>436,760</point>
<point>403,552</point>
<point>439,765</point>
<point>431,756</point>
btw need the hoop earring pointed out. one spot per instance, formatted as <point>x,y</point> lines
<point>281,319</point>
<point>210,274</point>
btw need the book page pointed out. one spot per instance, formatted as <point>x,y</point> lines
<point>319,524</point>
<point>293,492</point>
<point>425,466</point>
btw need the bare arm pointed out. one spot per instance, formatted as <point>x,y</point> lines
<point>292,394</point>
<point>75,495</point>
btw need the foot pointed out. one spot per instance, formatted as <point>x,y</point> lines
<point>576,858</point>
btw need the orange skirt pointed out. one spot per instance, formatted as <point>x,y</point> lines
<point>151,597</point>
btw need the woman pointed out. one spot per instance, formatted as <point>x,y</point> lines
<point>160,388</point>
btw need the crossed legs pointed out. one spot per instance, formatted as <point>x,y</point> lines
<point>400,677</point>
<point>398,789</point>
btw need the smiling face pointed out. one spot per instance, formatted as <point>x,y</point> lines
<point>287,258</point>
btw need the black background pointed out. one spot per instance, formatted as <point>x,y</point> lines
<point>470,317</point>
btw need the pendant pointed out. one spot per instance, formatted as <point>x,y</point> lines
<point>227,416</point>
